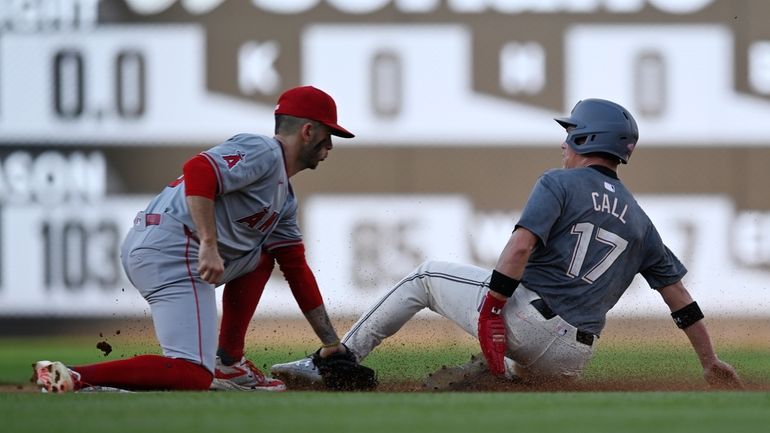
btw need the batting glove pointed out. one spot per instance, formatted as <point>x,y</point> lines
<point>492,333</point>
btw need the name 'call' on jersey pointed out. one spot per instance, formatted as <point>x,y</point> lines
<point>593,239</point>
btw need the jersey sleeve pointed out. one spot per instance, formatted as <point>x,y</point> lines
<point>543,208</point>
<point>304,287</point>
<point>286,231</point>
<point>661,266</point>
<point>242,160</point>
<point>200,179</point>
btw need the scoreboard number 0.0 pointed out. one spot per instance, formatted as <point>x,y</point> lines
<point>71,85</point>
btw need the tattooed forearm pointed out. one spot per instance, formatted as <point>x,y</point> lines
<point>322,326</point>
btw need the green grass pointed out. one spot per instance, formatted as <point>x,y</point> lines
<point>387,412</point>
<point>539,412</point>
<point>674,362</point>
<point>395,363</point>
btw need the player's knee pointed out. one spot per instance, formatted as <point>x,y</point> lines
<point>423,274</point>
<point>420,274</point>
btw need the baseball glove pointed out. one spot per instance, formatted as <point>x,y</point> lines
<point>342,372</point>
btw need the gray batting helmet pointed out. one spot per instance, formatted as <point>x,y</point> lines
<point>606,126</point>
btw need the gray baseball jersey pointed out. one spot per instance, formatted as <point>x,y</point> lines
<point>254,207</point>
<point>597,238</point>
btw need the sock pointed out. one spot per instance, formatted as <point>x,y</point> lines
<point>239,301</point>
<point>146,372</point>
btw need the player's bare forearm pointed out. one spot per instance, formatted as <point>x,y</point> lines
<point>322,325</point>
<point>676,297</point>
<point>516,253</point>
<point>715,371</point>
<point>210,263</point>
<point>701,343</point>
<point>202,213</point>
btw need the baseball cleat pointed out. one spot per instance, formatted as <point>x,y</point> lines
<point>452,378</point>
<point>298,374</point>
<point>463,377</point>
<point>54,377</point>
<point>89,389</point>
<point>243,376</point>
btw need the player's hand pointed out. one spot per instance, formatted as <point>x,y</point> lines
<point>327,351</point>
<point>492,333</point>
<point>722,375</point>
<point>211,267</point>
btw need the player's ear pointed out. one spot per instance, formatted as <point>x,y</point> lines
<point>306,131</point>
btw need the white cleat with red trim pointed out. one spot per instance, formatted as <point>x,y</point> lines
<point>54,377</point>
<point>243,376</point>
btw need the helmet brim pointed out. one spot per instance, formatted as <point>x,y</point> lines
<point>565,122</point>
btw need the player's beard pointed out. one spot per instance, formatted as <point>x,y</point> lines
<point>309,156</point>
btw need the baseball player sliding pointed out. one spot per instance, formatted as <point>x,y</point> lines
<point>231,214</point>
<point>581,239</point>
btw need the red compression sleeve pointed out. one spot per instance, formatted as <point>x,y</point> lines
<point>239,301</point>
<point>304,287</point>
<point>146,372</point>
<point>200,179</point>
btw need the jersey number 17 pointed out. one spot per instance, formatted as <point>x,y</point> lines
<point>584,231</point>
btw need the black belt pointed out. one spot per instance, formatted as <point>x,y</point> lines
<point>584,337</point>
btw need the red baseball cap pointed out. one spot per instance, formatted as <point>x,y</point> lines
<point>311,103</point>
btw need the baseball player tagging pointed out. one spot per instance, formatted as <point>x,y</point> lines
<point>212,226</point>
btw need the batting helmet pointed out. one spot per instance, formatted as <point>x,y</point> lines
<point>601,126</point>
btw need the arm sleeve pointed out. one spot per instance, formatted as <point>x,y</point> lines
<point>200,178</point>
<point>661,266</point>
<point>291,260</point>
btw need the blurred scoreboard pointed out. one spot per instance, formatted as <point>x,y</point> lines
<point>101,100</point>
<point>115,84</point>
<point>144,72</point>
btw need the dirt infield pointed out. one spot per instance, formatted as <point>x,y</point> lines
<point>746,333</point>
<point>434,331</point>
<point>750,332</point>
<point>725,333</point>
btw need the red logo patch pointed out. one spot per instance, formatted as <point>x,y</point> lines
<point>232,160</point>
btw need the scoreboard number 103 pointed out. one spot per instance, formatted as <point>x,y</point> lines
<point>78,254</point>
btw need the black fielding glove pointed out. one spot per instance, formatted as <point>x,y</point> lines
<point>342,372</point>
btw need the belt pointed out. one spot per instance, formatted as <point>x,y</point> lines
<point>147,219</point>
<point>584,337</point>
<point>154,219</point>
